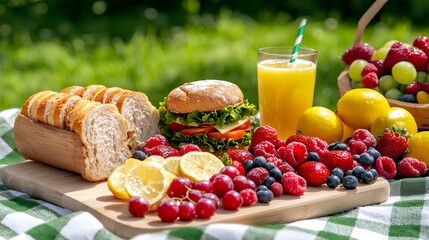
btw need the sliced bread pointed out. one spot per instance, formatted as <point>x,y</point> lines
<point>27,105</point>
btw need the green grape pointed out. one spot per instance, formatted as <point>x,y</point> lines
<point>404,72</point>
<point>378,89</point>
<point>355,84</point>
<point>381,53</point>
<point>387,82</point>
<point>390,43</point>
<point>421,76</point>
<point>355,69</point>
<point>393,94</point>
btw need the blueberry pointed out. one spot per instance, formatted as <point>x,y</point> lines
<point>357,171</point>
<point>276,174</point>
<point>374,173</point>
<point>262,188</point>
<point>259,162</point>
<point>313,157</point>
<point>340,147</point>
<point>374,153</point>
<point>268,181</point>
<point>350,182</point>
<point>265,196</point>
<point>139,155</point>
<point>333,181</point>
<point>356,157</point>
<point>332,145</point>
<point>366,177</point>
<point>366,159</point>
<point>269,166</point>
<point>338,172</point>
<point>411,98</point>
<point>248,165</point>
<point>348,173</point>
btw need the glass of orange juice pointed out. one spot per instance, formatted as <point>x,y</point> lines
<point>285,89</point>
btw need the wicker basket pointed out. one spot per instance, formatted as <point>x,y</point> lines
<point>419,111</point>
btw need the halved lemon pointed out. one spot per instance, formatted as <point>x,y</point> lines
<point>199,165</point>
<point>156,159</point>
<point>116,180</point>
<point>149,180</point>
<point>171,164</point>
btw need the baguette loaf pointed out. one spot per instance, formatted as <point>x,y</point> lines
<point>45,106</point>
<point>61,109</point>
<point>91,91</point>
<point>74,90</point>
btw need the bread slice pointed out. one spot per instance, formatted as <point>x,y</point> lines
<point>112,94</point>
<point>95,92</point>
<point>99,96</point>
<point>27,105</point>
<point>89,90</point>
<point>104,133</point>
<point>60,109</point>
<point>140,113</point>
<point>71,115</point>
<point>45,106</point>
<point>73,90</point>
<point>32,113</point>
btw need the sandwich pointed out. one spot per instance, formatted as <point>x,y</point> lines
<point>209,113</point>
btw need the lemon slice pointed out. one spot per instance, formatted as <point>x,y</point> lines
<point>171,164</point>
<point>155,159</point>
<point>149,180</point>
<point>199,165</point>
<point>116,180</point>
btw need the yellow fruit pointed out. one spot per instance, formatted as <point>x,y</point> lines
<point>322,123</point>
<point>155,159</point>
<point>171,164</point>
<point>418,145</point>
<point>116,180</point>
<point>423,97</point>
<point>359,108</point>
<point>347,132</point>
<point>199,165</point>
<point>381,53</point>
<point>148,180</point>
<point>397,116</point>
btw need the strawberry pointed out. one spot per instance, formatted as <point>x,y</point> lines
<point>340,159</point>
<point>239,167</point>
<point>419,59</point>
<point>398,52</point>
<point>358,51</point>
<point>393,143</point>
<point>239,155</point>
<point>315,173</point>
<point>379,65</point>
<point>422,43</point>
<point>264,133</point>
<point>230,162</point>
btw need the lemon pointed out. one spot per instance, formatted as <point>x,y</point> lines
<point>149,180</point>
<point>359,108</point>
<point>171,164</point>
<point>322,123</point>
<point>347,132</point>
<point>423,97</point>
<point>418,145</point>
<point>199,165</point>
<point>116,180</point>
<point>397,116</point>
<point>155,159</point>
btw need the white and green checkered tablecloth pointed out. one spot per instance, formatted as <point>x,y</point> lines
<point>405,215</point>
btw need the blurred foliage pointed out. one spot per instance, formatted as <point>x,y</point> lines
<point>151,46</point>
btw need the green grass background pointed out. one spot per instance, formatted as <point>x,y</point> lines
<point>220,47</point>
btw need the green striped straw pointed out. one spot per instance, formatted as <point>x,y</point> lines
<point>298,40</point>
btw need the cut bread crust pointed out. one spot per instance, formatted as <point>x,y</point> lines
<point>89,91</point>
<point>45,106</point>
<point>111,94</point>
<point>63,108</point>
<point>73,90</point>
<point>204,96</point>
<point>37,101</point>
<point>27,105</point>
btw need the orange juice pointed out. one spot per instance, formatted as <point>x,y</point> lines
<point>285,92</point>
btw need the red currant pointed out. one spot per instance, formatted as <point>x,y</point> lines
<point>232,200</point>
<point>213,197</point>
<point>230,171</point>
<point>240,183</point>
<point>179,186</point>
<point>222,184</point>
<point>187,211</point>
<point>204,186</point>
<point>138,206</point>
<point>205,208</point>
<point>167,210</point>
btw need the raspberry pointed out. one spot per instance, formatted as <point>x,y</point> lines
<point>369,68</point>
<point>397,53</point>
<point>257,175</point>
<point>379,65</point>
<point>419,59</point>
<point>309,142</point>
<point>425,87</point>
<point>189,148</point>
<point>281,144</point>
<point>249,197</point>
<point>164,151</point>
<point>358,51</point>
<point>422,43</point>
<point>277,162</point>
<point>295,154</point>
<point>411,167</point>
<point>365,136</point>
<point>293,184</point>
<point>286,167</point>
<point>264,133</point>
<point>322,146</point>
<point>239,155</point>
<point>385,167</point>
<point>340,159</point>
<point>357,147</point>
<point>281,150</point>
<point>315,173</point>
<point>155,141</point>
<point>370,80</point>
<point>413,88</point>
<point>265,149</point>
<point>277,189</point>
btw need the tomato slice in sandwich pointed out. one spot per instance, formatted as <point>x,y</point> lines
<point>235,134</point>
<point>243,126</point>
<point>177,126</point>
<point>196,130</point>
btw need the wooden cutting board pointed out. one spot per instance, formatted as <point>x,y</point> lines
<point>71,191</point>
